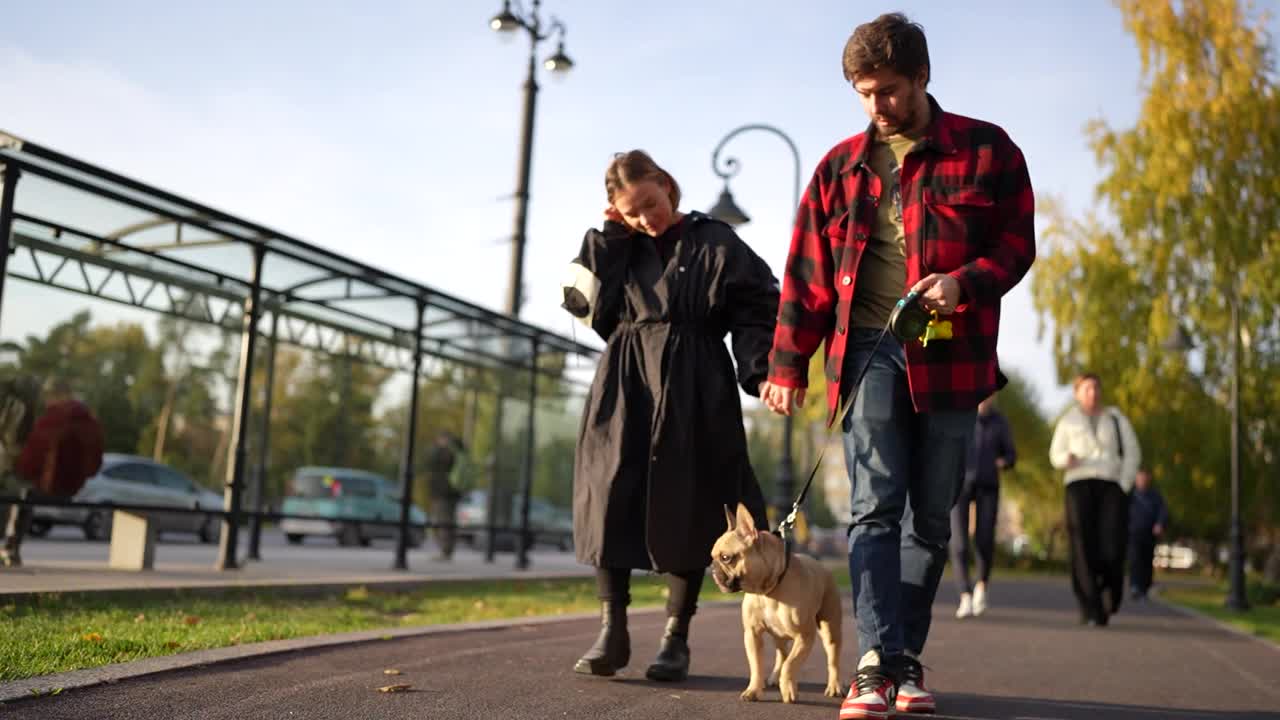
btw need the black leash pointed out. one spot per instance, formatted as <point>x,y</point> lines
<point>786,528</point>
<point>909,320</point>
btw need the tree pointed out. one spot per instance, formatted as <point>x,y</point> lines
<point>1190,218</point>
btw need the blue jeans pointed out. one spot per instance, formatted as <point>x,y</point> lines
<point>906,469</point>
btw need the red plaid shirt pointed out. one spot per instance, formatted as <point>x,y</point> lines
<point>967,210</point>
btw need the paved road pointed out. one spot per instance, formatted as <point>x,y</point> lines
<point>1026,660</point>
<point>64,561</point>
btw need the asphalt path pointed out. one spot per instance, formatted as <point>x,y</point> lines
<point>1027,659</point>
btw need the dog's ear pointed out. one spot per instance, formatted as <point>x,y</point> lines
<point>728,516</point>
<point>746,525</point>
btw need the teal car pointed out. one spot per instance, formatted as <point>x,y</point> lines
<point>344,502</point>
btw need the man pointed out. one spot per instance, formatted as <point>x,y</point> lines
<point>927,201</point>
<point>1148,517</point>
<point>444,497</point>
<point>990,452</point>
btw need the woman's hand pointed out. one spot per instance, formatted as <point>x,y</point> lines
<point>611,213</point>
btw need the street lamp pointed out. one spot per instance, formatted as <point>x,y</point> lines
<point>727,210</point>
<point>1181,342</point>
<point>507,22</point>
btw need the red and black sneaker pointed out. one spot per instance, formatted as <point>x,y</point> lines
<point>912,695</point>
<point>872,691</point>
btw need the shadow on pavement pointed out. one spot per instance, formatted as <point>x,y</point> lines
<point>955,706</point>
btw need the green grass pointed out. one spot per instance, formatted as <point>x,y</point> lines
<point>61,632</point>
<point>1262,619</point>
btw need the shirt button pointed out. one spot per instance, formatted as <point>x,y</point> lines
<point>846,280</point>
<point>840,330</point>
<point>860,236</point>
<point>835,377</point>
<point>681,268</point>
<point>872,198</point>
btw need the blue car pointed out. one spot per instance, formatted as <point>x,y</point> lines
<point>344,501</point>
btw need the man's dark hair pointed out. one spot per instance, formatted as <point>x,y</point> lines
<point>890,41</point>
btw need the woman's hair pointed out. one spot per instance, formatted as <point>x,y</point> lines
<point>629,168</point>
<point>1084,378</point>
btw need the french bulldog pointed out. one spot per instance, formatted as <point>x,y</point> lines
<point>795,601</point>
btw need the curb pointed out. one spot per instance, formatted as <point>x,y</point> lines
<point>44,685</point>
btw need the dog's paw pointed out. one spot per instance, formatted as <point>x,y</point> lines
<point>834,690</point>
<point>752,694</point>
<point>789,692</point>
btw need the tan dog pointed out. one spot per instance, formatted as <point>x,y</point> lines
<point>793,601</point>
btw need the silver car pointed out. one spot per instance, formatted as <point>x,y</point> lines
<point>134,480</point>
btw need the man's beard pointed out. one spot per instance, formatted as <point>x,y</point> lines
<point>907,123</point>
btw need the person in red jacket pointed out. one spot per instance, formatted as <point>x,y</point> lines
<point>926,201</point>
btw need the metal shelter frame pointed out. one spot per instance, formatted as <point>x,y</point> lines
<point>87,230</point>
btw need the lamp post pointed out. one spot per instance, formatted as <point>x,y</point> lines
<point>727,210</point>
<point>508,22</point>
<point>1237,599</point>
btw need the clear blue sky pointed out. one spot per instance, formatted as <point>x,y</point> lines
<point>391,134</point>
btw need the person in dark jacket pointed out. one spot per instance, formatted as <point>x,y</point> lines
<point>661,449</point>
<point>443,497</point>
<point>1148,518</point>
<point>990,452</point>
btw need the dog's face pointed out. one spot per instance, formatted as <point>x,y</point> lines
<point>741,559</point>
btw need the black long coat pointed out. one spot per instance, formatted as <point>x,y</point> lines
<point>662,449</point>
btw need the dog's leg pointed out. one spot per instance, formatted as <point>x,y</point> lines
<point>783,646</point>
<point>800,648</point>
<point>754,644</point>
<point>829,626</point>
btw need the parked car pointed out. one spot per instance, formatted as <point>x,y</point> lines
<point>134,480</point>
<point>343,498</point>
<point>550,525</point>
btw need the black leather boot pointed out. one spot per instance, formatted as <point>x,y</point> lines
<point>672,662</point>
<point>612,649</point>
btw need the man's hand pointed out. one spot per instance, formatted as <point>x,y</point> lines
<point>1157,530</point>
<point>781,399</point>
<point>938,292</point>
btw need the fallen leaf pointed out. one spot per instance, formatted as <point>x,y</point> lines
<point>173,645</point>
<point>385,637</point>
<point>141,618</point>
<point>191,620</point>
<point>479,605</point>
<point>92,637</point>
<point>56,691</point>
<point>401,687</point>
<point>391,671</point>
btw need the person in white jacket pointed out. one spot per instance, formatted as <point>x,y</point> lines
<point>1096,447</point>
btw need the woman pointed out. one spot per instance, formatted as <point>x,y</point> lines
<point>1098,449</point>
<point>662,449</point>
